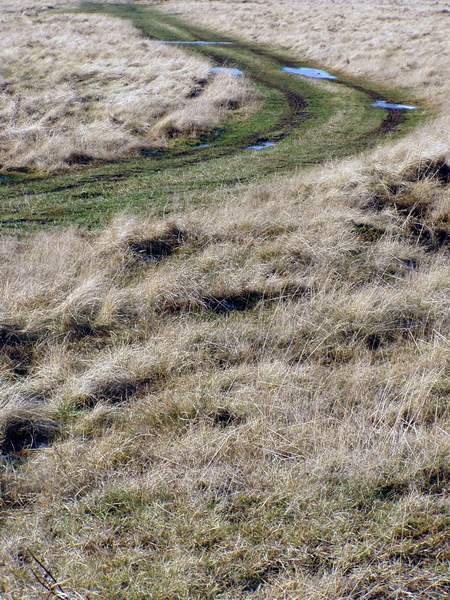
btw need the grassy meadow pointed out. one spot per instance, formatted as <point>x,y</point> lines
<point>223,371</point>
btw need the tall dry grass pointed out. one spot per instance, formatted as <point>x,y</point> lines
<point>287,349</point>
<point>90,87</point>
<point>248,399</point>
<point>402,42</point>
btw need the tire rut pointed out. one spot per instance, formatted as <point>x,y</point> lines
<point>296,113</point>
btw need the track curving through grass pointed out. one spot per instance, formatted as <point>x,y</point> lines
<point>310,122</point>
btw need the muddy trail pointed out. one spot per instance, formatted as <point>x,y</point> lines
<point>301,121</point>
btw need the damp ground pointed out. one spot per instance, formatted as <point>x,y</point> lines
<point>309,72</point>
<point>393,105</point>
<point>290,107</point>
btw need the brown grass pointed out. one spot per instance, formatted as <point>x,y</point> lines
<point>96,89</point>
<point>289,445</point>
<point>323,395</point>
<point>402,42</point>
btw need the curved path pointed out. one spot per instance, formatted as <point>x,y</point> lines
<point>308,121</point>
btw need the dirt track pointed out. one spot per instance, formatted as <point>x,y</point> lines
<point>293,108</point>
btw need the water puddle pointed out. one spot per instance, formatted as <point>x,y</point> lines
<point>392,105</point>
<point>307,72</point>
<point>151,152</point>
<point>201,146</point>
<point>261,145</point>
<point>233,71</point>
<point>197,43</point>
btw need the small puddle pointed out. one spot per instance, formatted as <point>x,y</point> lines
<point>151,152</point>
<point>392,105</point>
<point>307,72</point>
<point>261,145</point>
<point>201,146</point>
<point>233,71</point>
<point>197,43</point>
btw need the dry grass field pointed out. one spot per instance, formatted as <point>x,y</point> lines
<point>247,400</point>
<point>401,41</point>
<point>91,87</point>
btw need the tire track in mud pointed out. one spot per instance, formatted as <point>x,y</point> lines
<point>262,66</point>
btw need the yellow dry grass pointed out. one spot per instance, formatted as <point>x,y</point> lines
<point>91,87</point>
<point>291,446</point>
<point>399,42</point>
<point>329,391</point>
<point>402,42</point>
